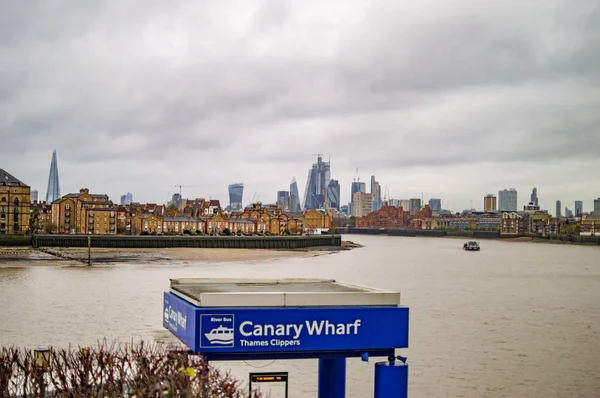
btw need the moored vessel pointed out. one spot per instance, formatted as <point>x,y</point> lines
<point>471,246</point>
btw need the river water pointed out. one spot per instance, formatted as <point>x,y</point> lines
<point>513,320</point>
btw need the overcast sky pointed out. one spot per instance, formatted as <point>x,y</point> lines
<point>449,99</point>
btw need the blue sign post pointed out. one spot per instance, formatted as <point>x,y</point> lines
<point>330,334</point>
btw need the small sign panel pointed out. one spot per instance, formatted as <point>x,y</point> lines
<point>270,384</point>
<point>217,330</point>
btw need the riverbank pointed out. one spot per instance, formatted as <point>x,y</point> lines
<point>16,256</point>
<point>474,235</point>
<point>527,239</point>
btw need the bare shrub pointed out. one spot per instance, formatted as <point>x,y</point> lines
<point>139,370</point>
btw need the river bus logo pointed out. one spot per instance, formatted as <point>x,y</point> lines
<point>217,330</point>
<point>220,335</point>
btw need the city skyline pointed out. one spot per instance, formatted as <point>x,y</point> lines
<point>364,90</point>
<point>446,203</point>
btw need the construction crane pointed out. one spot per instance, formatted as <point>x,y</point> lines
<point>316,200</point>
<point>357,179</point>
<point>183,186</point>
<point>386,194</point>
<point>325,200</point>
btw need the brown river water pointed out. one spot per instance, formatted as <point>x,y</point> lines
<point>513,320</point>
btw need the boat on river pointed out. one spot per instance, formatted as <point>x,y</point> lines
<point>471,246</point>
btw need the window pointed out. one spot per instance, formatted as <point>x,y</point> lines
<point>3,226</point>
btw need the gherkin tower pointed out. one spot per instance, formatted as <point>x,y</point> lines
<point>53,191</point>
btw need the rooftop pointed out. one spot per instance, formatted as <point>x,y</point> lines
<point>182,218</point>
<point>7,179</point>
<point>231,292</point>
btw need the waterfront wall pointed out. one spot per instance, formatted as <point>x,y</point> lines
<point>224,242</point>
<point>7,240</point>
<point>570,239</point>
<point>467,234</point>
<point>420,232</point>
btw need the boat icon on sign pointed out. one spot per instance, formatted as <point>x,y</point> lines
<point>220,335</point>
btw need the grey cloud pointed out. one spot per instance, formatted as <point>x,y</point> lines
<point>219,91</point>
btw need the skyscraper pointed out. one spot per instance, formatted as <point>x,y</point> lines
<point>316,184</point>
<point>534,197</point>
<point>357,186</point>
<point>236,192</point>
<point>34,196</point>
<point>578,208</point>
<point>558,207</point>
<point>126,199</point>
<point>53,191</point>
<point>362,204</point>
<point>489,203</point>
<point>294,196</point>
<point>507,199</point>
<point>597,206</point>
<point>333,194</point>
<point>283,200</point>
<point>393,202</point>
<point>375,194</point>
<point>415,206</point>
<point>405,204</point>
<point>435,205</point>
<point>177,201</point>
<point>568,212</point>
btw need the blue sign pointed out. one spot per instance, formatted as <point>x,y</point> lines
<point>180,318</point>
<point>256,330</point>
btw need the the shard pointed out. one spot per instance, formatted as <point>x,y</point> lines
<point>53,191</point>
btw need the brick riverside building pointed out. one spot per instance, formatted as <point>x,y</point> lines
<point>417,220</point>
<point>14,205</point>
<point>386,217</point>
<point>44,217</point>
<point>84,213</point>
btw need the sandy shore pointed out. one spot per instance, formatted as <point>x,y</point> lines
<point>53,256</point>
